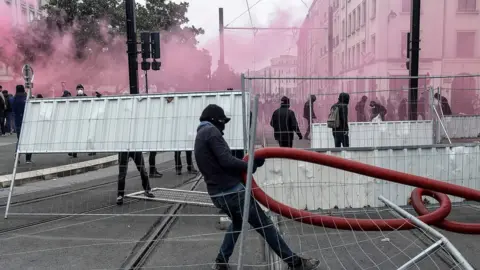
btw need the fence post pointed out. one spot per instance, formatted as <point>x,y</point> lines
<point>244,113</point>
<point>248,186</point>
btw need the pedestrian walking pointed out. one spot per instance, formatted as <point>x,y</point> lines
<point>284,124</point>
<point>360,109</point>
<point>178,163</point>
<point>123,159</point>
<point>222,173</point>
<point>338,121</point>
<point>308,112</point>
<point>18,107</point>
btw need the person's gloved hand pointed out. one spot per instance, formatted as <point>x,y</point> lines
<point>258,162</point>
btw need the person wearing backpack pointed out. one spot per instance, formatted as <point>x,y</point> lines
<point>338,121</point>
<point>284,124</point>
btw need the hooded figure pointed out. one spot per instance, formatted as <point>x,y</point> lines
<point>340,134</point>
<point>360,109</point>
<point>284,124</point>
<point>377,109</point>
<point>18,107</point>
<point>66,93</point>
<point>80,91</point>
<point>307,111</point>
<point>223,174</point>
<point>446,110</point>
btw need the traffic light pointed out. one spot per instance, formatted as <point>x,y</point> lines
<point>155,45</point>
<point>145,41</point>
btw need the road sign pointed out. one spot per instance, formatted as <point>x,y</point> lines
<point>28,74</point>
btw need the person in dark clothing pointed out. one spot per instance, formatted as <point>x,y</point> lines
<point>222,173</point>
<point>8,111</point>
<point>39,96</point>
<point>3,113</point>
<point>285,124</point>
<point>307,112</point>
<point>391,111</point>
<point>152,164</point>
<point>18,108</point>
<point>123,159</point>
<point>80,91</point>
<point>178,163</point>
<point>446,110</point>
<point>340,134</point>
<point>378,109</point>
<point>66,93</point>
<point>360,109</point>
<point>402,110</point>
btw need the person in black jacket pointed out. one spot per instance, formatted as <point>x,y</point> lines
<point>222,173</point>
<point>360,109</point>
<point>284,124</point>
<point>446,110</point>
<point>377,109</point>
<point>307,111</point>
<point>340,134</point>
<point>18,108</point>
<point>123,159</point>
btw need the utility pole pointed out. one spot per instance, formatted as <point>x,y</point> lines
<point>132,46</point>
<point>221,61</point>
<point>414,58</point>
<point>330,41</point>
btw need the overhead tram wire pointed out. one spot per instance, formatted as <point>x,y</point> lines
<point>243,13</point>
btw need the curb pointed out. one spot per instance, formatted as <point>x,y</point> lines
<point>60,171</point>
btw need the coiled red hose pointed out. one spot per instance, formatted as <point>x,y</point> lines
<point>433,188</point>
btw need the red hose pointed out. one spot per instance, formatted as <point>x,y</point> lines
<point>453,226</point>
<point>435,217</point>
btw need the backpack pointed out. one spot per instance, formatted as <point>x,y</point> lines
<point>334,117</point>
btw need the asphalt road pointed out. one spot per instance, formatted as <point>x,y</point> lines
<point>40,161</point>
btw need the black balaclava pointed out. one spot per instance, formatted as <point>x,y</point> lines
<point>215,115</point>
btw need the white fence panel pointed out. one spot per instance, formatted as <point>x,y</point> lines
<point>158,122</point>
<point>459,127</point>
<point>383,134</point>
<point>305,185</point>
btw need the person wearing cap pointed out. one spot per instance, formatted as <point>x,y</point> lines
<point>223,174</point>
<point>284,124</point>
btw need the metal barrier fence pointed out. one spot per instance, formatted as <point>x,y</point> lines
<point>389,97</point>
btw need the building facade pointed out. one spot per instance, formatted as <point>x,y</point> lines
<point>282,66</point>
<point>17,13</point>
<point>370,39</point>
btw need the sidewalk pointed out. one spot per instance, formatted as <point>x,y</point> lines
<point>40,161</point>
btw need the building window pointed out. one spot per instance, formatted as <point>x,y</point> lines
<point>373,11</point>
<point>359,17</point>
<point>372,44</point>
<point>349,23</point>
<point>364,12</point>
<point>354,63</point>
<point>343,30</point>
<point>465,44</point>
<point>406,5</point>
<point>403,45</point>
<point>358,54</point>
<point>364,47</point>
<point>467,5</point>
<point>354,23</point>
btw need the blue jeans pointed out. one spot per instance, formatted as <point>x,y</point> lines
<point>9,120</point>
<point>232,205</point>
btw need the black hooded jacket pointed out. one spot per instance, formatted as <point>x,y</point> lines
<point>220,169</point>
<point>284,122</point>
<point>342,104</point>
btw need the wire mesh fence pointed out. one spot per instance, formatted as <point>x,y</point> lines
<point>376,110</point>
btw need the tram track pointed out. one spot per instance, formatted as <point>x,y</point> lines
<point>160,229</point>
<point>66,193</point>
